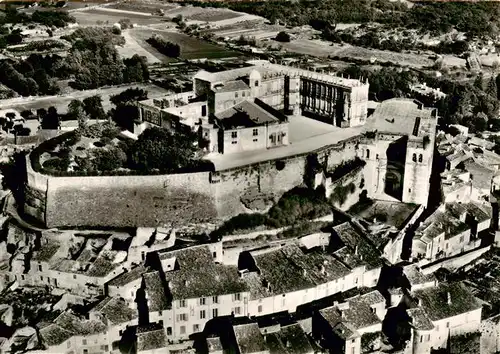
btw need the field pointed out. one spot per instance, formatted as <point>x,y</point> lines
<point>191,48</point>
<point>61,102</point>
<point>322,49</point>
<point>98,16</point>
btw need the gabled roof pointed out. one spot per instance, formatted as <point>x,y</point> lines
<point>246,114</point>
<point>249,339</point>
<point>155,292</point>
<point>434,300</point>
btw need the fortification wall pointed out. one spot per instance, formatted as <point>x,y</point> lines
<point>129,200</point>
<point>132,201</point>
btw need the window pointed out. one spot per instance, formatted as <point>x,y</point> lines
<point>428,337</point>
<point>259,308</point>
<point>182,303</point>
<point>420,158</point>
<point>169,331</point>
<point>85,351</point>
<point>84,341</point>
<point>160,312</point>
<point>74,276</point>
<point>69,344</point>
<point>243,94</point>
<point>255,140</point>
<point>41,278</point>
<point>215,299</point>
<point>215,312</point>
<point>237,310</point>
<point>234,135</point>
<point>462,238</point>
<point>367,153</point>
<point>202,314</point>
<point>234,142</point>
<point>202,301</point>
<point>236,94</point>
<point>421,339</point>
<point>196,328</point>
<point>255,132</point>
<point>353,350</point>
<point>183,329</point>
<point>182,317</point>
<point>256,83</point>
<point>447,324</point>
<point>203,110</point>
<point>237,297</point>
<point>414,158</point>
<point>39,267</point>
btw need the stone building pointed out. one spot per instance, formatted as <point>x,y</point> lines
<point>398,148</point>
<point>278,90</point>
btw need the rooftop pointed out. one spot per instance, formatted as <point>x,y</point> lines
<point>230,86</point>
<point>415,276</point>
<point>155,292</point>
<point>115,310</point>
<point>435,303</point>
<point>150,338</point>
<point>127,277</point>
<point>249,339</point>
<point>481,212</point>
<point>67,325</point>
<point>46,251</point>
<point>403,117</point>
<point>420,320</point>
<point>353,248</point>
<point>246,114</point>
<point>440,223</point>
<point>290,339</point>
<point>197,275</point>
<point>334,317</point>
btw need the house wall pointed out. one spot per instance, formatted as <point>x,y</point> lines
<point>468,322</point>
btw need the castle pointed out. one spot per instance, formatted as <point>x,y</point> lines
<point>258,125</point>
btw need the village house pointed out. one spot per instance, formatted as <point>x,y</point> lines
<point>99,330</point>
<point>340,327</point>
<point>441,235</point>
<point>441,312</point>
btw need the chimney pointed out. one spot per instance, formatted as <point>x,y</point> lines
<point>419,302</point>
<point>356,250</point>
<point>288,344</point>
<point>323,269</point>
<point>448,298</point>
<point>304,272</point>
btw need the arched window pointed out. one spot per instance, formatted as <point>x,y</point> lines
<point>420,158</point>
<point>414,157</point>
<point>367,153</point>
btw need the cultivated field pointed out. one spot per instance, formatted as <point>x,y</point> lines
<point>61,102</point>
<point>132,47</point>
<point>102,15</point>
<point>191,48</point>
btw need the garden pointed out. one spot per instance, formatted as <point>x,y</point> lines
<point>98,149</point>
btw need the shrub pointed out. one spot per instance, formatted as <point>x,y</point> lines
<point>283,37</point>
<point>239,222</point>
<point>57,164</point>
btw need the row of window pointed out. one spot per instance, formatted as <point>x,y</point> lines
<point>203,301</point>
<point>414,158</point>
<point>183,317</point>
<point>255,132</point>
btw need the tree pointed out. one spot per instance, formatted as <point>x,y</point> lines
<point>283,37</point>
<point>491,88</point>
<point>76,112</point>
<point>126,111</point>
<point>93,107</point>
<point>158,149</point>
<point>478,81</point>
<point>51,119</point>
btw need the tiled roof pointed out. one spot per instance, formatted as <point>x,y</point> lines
<point>438,223</point>
<point>249,338</point>
<point>420,320</point>
<point>245,114</point>
<point>127,277</point>
<point>155,291</point>
<point>150,338</point>
<point>197,275</point>
<point>434,300</point>
<point>229,86</point>
<point>46,251</point>
<point>115,310</point>
<point>415,276</point>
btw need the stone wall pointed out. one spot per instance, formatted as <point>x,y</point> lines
<point>132,201</point>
